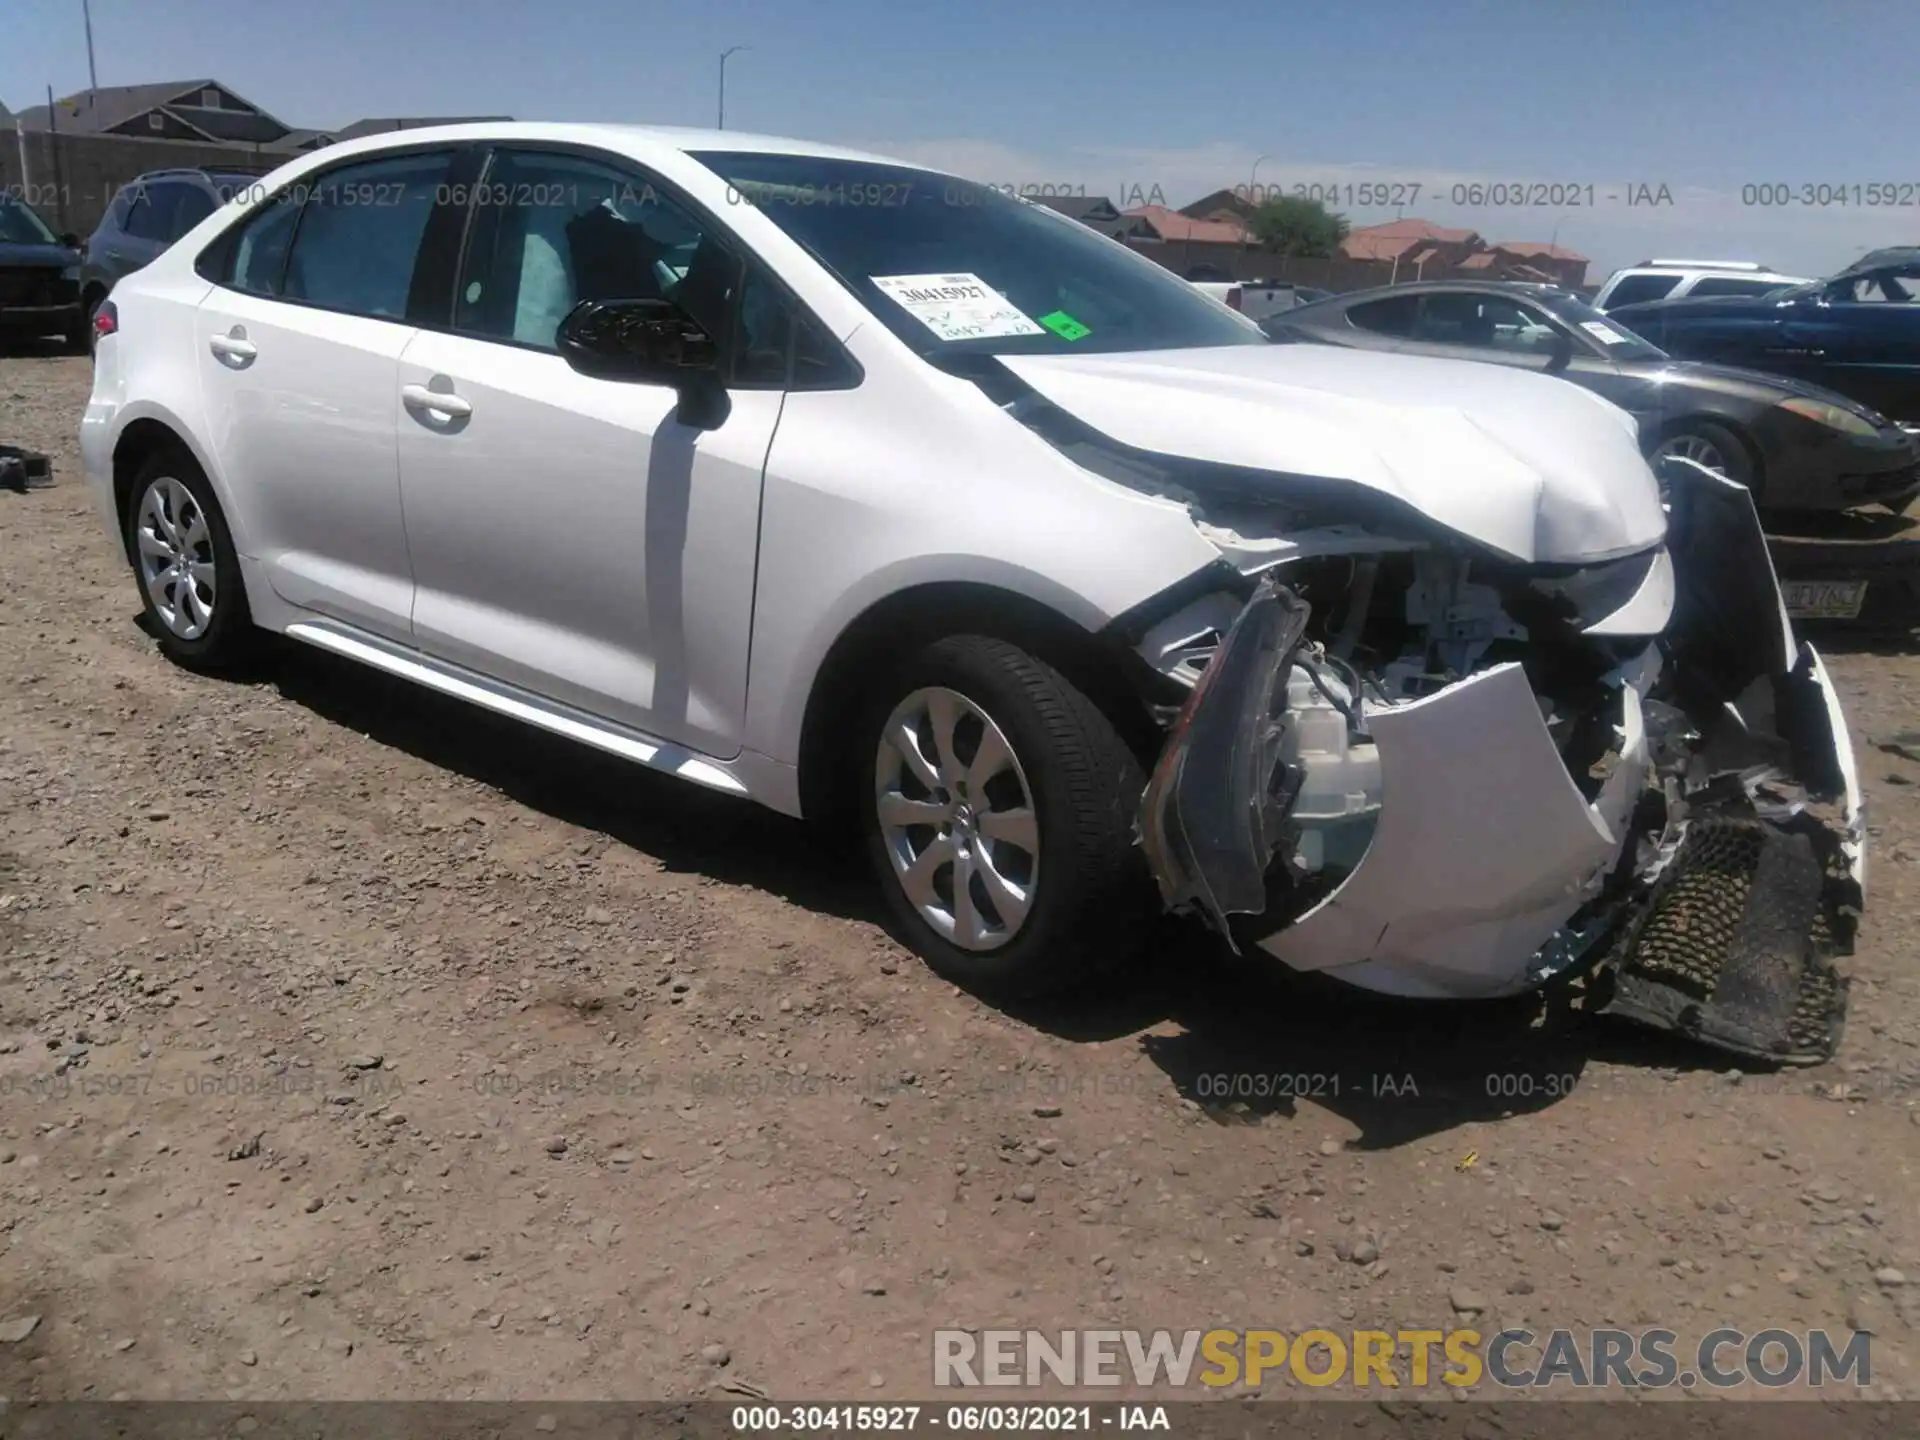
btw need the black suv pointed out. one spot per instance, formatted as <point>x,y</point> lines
<point>39,277</point>
<point>147,216</point>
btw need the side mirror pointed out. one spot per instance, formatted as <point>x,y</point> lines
<point>648,342</point>
<point>70,240</point>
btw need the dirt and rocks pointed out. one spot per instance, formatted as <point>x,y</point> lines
<point>354,1045</point>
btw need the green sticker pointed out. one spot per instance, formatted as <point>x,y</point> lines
<point>1065,326</point>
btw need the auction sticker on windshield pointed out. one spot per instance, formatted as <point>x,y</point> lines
<point>956,307</point>
<point>1605,333</point>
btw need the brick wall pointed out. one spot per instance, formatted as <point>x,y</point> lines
<point>71,179</point>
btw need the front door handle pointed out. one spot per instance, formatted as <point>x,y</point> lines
<point>234,349</point>
<point>419,397</point>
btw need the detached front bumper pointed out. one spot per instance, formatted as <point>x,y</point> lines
<point>1708,891</point>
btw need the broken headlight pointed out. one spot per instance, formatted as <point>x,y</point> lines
<point>1588,594</point>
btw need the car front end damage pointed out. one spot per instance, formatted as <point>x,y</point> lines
<point>1432,773</point>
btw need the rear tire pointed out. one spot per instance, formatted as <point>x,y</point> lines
<point>1055,887</point>
<point>185,564</point>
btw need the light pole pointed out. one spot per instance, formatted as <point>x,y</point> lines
<point>1553,244</point>
<point>1253,181</point>
<point>730,50</point>
<point>86,14</point>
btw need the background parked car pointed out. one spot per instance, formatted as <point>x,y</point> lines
<point>1708,279</point>
<point>39,277</point>
<point>147,216</point>
<point>1794,444</point>
<point>1256,299</point>
<point>1857,333</point>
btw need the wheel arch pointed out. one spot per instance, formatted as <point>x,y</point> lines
<point>142,437</point>
<point>1671,425</point>
<point>889,629</point>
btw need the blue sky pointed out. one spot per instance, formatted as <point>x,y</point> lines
<point>1701,98</point>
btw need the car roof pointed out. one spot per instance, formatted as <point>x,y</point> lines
<point>1701,268</point>
<point>1435,287</point>
<point>634,139</point>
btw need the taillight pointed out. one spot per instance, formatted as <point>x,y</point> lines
<point>106,321</point>
<point>1233,298</point>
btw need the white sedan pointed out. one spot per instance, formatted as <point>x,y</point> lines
<point>874,495</point>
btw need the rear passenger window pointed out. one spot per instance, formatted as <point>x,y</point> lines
<point>195,205</point>
<point>1726,285</point>
<point>359,231</point>
<point>1392,316</point>
<point>1635,288</point>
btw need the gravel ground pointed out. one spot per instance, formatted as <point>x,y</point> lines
<point>354,1045</point>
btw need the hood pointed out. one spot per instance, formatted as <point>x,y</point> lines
<point>1696,306</point>
<point>37,256</point>
<point>1751,384</point>
<point>1526,464</point>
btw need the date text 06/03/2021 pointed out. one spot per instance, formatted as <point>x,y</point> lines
<point>1041,1419</point>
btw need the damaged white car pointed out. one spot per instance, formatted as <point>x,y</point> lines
<point>861,490</point>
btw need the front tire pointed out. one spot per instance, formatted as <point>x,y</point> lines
<point>1715,446</point>
<point>188,571</point>
<point>999,805</point>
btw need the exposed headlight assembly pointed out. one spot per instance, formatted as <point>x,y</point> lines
<point>1833,417</point>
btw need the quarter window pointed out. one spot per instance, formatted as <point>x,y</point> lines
<point>260,255</point>
<point>359,231</point>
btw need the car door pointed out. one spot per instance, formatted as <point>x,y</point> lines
<point>1864,335</point>
<point>298,346</point>
<point>570,536</point>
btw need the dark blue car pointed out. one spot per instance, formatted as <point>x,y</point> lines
<point>1857,333</point>
<point>39,278</point>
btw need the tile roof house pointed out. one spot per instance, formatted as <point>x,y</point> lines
<point>1162,224</point>
<point>1220,205</point>
<point>198,110</point>
<point>1551,262</point>
<point>205,112</point>
<point>1096,212</point>
<point>1403,240</point>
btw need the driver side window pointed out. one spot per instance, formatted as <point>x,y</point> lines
<point>552,230</point>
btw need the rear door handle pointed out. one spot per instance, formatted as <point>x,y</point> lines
<point>419,397</point>
<point>230,347</point>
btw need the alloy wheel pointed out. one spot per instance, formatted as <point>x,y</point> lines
<point>1697,448</point>
<point>176,557</point>
<point>957,819</point>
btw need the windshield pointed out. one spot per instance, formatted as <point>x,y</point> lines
<point>954,267</point>
<point>20,226</point>
<point>1609,336</point>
